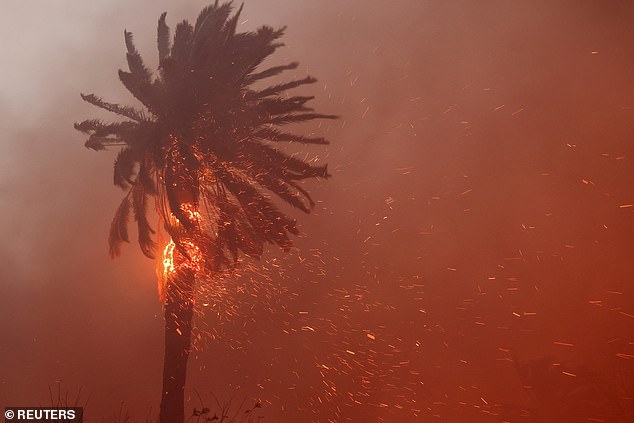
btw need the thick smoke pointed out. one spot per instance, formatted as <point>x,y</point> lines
<point>479,218</point>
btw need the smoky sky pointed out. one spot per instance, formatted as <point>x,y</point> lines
<point>479,216</point>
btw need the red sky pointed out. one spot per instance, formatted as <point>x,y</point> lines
<point>480,210</point>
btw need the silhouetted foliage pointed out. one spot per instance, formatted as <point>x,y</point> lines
<point>227,412</point>
<point>203,140</point>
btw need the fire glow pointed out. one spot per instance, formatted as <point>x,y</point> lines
<point>191,212</point>
<point>173,260</point>
<point>168,259</point>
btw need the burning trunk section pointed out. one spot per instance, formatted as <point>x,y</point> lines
<point>181,260</point>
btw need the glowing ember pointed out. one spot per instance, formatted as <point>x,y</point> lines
<point>192,213</point>
<point>173,260</point>
<point>196,256</point>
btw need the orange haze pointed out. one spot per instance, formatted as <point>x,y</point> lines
<point>480,214</point>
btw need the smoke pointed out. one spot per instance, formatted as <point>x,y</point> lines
<point>480,212</point>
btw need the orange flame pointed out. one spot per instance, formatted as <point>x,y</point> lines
<point>168,259</point>
<point>172,260</point>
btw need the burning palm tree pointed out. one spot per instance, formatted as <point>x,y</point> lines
<point>203,148</point>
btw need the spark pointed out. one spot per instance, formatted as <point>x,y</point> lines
<point>517,112</point>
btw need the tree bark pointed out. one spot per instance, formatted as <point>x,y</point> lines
<point>179,308</point>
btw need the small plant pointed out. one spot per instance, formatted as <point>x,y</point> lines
<point>226,412</point>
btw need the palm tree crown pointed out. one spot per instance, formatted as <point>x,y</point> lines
<point>203,143</point>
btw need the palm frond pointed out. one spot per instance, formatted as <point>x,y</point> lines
<point>235,233</point>
<point>232,23</point>
<point>119,228</point>
<point>182,43</point>
<point>276,162</point>
<point>276,70</point>
<point>276,89</point>
<point>145,231</point>
<point>285,191</point>
<point>268,222</point>
<point>135,62</point>
<point>145,178</point>
<point>250,49</point>
<point>294,118</point>
<point>98,143</point>
<point>100,129</point>
<point>279,105</point>
<point>124,164</point>
<point>204,13</point>
<point>163,38</point>
<point>271,134</point>
<point>129,112</point>
<point>208,34</point>
<point>140,88</point>
<point>89,126</point>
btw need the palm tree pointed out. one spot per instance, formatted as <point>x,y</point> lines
<point>203,147</point>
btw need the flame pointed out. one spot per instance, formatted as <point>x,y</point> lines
<point>173,260</point>
<point>168,259</point>
<point>165,267</point>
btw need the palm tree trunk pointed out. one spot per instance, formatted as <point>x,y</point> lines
<point>179,307</point>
